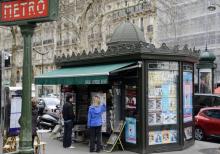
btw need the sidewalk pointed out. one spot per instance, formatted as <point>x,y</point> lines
<point>55,147</point>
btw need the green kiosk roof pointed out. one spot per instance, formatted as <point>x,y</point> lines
<point>97,74</point>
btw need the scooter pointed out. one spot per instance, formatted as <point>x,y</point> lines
<point>48,120</point>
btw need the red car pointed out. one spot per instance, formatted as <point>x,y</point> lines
<point>207,123</point>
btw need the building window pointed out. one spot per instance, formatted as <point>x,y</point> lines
<point>150,28</point>
<point>142,24</point>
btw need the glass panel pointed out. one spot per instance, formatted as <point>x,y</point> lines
<point>205,81</point>
<point>187,95</point>
<point>130,114</point>
<point>162,137</point>
<point>162,96</point>
<point>162,102</point>
<point>188,100</point>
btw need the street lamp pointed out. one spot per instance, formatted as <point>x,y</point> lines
<point>212,6</point>
<point>42,65</point>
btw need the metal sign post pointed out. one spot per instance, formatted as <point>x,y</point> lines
<point>26,14</point>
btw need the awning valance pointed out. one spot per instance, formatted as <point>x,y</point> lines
<point>97,74</point>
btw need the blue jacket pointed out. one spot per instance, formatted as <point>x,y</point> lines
<point>95,115</point>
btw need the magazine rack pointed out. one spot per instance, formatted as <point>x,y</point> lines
<point>115,137</point>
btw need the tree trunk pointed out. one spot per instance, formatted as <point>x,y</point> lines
<point>13,57</point>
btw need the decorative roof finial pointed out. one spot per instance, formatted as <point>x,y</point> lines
<point>206,48</point>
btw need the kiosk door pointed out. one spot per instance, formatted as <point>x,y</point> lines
<point>131,117</point>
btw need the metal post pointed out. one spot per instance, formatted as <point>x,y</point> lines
<point>26,119</point>
<point>42,66</point>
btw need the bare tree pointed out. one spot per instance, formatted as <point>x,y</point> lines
<point>168,16</point>
<point>80,23</point>
<point>14,32</point>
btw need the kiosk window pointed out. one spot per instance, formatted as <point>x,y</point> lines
<point>162,102</point>
<point>130,114</point>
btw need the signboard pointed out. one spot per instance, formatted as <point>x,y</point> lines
<point>205,81</point>
<point>130,130</point>
<point>15,115</point>
<point>187,96</point>
<point>19,12</point>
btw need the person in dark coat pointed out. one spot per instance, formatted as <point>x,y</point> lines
<point>69,117</point>
<point>34,119</point>
<point>95,123</point>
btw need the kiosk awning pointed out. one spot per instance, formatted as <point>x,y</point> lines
<point>79,75</point>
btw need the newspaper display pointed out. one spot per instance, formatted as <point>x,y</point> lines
<point>162,100</point>
<point>162,137</point>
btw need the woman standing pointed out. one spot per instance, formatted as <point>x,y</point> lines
<point>95,123</point>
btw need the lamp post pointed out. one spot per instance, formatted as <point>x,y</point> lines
<point>212,6</point>
<point>42,65</point>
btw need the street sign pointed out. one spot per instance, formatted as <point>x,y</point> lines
<point>22,12</point>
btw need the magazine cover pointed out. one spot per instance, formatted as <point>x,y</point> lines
<point>152,118</point>
<point>166,136</point>
<point>152,104</point>
<point>188,132</point>
<point>173,136</point>
<point>169,118</point>
<point>158,118</point>
<point>172,104</point>
<point>157,137</point>
<point>158,104</point>
<point>151,138</point>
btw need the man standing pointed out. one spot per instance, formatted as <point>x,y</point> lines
<point>68,116</point>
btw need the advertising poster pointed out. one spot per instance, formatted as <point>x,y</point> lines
<point>166,136</point>
<point>151,138</point>
<point>130,98</point>
<point>173,136</point>
<point>158,137</point>
<point>15,115</point>
<point>162,137</point>
<point>152,118</point>
<point>187,96</point>
<point>205,81</point>
<point>162,102</point>
<point>188,133</point>
<point>102,97</point>
<point>130,130</point>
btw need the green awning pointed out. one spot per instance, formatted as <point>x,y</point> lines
<point>97,74</point>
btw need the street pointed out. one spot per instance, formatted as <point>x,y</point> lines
<point>55,147</point>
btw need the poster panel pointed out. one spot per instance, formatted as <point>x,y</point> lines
<point>188,133</point>
<point>130,98</point>
<point>205,81</point>
<point>162,137</point>
<point>102,97</point>
<point>130,130</point>
<point>162,97</point>
<point>187,96</point>
<point>16,103</point>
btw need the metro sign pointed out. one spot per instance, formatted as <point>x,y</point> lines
<point>20,12</point>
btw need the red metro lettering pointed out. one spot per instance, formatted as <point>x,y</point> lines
<point>26,9</point>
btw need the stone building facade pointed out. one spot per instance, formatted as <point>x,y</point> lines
<point>83,25</point>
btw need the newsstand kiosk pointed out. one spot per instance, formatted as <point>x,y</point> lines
<point>149,88</point>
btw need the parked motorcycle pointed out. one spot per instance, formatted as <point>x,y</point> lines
<point>48,120</point>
